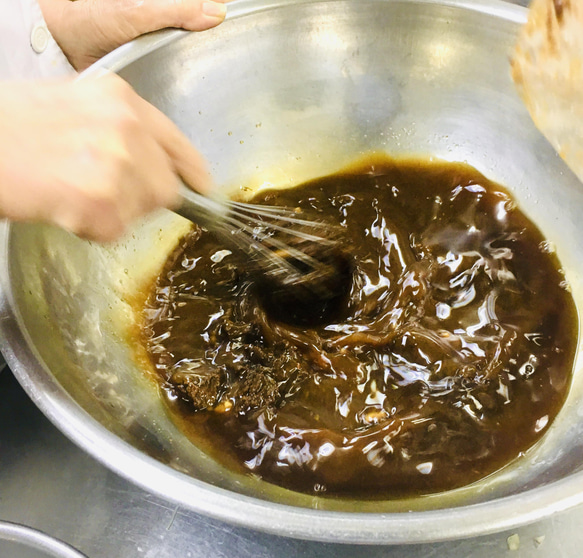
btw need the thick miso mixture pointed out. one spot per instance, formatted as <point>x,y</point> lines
<point>452,356</point>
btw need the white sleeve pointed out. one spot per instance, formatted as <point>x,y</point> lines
<point>27,49</point>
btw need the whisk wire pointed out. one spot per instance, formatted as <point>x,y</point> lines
<point>274,214</point>
<point>280,260</point>
<point>252,228</point>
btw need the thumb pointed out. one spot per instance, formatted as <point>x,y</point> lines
<point>193,15</point>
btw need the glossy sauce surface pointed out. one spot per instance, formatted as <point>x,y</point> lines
<point>452,356</point>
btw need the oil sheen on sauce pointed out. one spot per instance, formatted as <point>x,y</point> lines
<point>453,354</point>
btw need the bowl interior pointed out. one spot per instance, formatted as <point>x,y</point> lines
<point>277,95</point>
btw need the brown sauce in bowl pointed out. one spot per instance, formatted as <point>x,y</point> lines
<point>453,355</point>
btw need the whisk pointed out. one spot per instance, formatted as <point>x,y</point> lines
<point>298,260</point>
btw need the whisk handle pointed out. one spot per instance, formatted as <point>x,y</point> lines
<point>204,211</point>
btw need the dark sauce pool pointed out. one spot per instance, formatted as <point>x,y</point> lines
<point>452,357</point>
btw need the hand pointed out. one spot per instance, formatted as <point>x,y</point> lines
<point>89,156</point>
<point>86,30</point>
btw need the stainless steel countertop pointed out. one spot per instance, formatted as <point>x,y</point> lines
<point>46,482</point>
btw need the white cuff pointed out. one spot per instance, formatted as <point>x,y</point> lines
<point>50,58</point>
<point>27,49</point>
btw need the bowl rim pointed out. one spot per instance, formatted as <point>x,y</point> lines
<point>246,511</point>
<point>34,539</point>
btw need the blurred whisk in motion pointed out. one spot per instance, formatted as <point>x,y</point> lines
<point>302,273</point>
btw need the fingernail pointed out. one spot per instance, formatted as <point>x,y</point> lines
<point>214,9</point>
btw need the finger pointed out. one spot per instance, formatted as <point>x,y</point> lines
<point>213,13</point>
<point>187,162</point>
<point>92,221</point>
<point>193,15</point>
<point>152,181</point>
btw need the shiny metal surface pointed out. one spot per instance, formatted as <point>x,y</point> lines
<point>282,92</point>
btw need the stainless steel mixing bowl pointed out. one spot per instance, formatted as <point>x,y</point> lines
<point>283,91</point>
